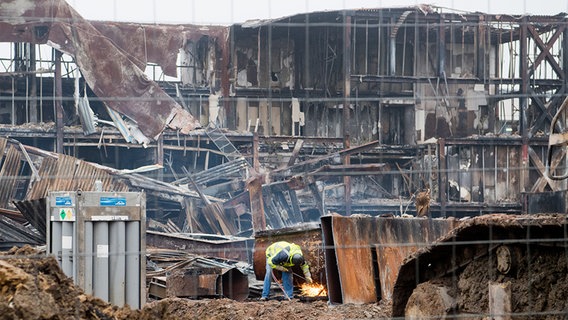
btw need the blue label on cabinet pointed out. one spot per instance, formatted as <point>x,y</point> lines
<point>63,201</point>
<point>113,201</point>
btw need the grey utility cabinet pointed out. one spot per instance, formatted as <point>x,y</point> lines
<point>98,239</point>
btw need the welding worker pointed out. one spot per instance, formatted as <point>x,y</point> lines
<point>283,256</point>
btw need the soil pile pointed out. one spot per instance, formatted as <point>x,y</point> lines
<point>33,286</point>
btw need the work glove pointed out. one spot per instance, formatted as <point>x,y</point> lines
<point>308,277</point>
<point>281,268</point>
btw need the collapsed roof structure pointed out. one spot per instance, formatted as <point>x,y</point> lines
<point>273,124</point>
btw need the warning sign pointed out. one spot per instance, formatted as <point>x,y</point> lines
<point>67,214</point>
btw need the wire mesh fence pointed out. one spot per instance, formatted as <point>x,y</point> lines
<point>416,153</point>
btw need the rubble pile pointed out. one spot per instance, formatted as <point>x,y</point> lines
<point>32,286</point>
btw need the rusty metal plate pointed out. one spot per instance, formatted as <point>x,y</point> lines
<point>364,254</point>
<point>354,258</point>
<point>109,71</point>
<point>400,237</point>
<point>193,283</point>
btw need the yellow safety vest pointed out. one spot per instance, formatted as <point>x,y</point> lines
<point>279,246</point>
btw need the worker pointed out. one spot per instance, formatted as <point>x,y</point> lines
<point>282,256</point>
<point>423,203</point>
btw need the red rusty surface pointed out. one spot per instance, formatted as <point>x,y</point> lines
<point>398,239</point>
<point>307,236</point>
<point>159,44</point>
<point>109,71</point>
<point>354,258</point>
<point>355,241</point>
<point>207,281</point>
<point>254,186</point>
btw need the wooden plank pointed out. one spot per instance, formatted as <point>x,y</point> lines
<point>256,202</point>
<point>295,205</point>
<point>218,211</point>
<point>191,208</point>
<point>209,214</point>
<point>273,217</point>
<point>295,152</point>
<point>283,203</point>
<point>317,198</point>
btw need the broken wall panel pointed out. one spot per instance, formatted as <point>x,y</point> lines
<point>490,169</point>
<point>160,44</point>
<point>8,174</point>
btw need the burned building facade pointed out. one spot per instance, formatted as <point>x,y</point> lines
<point>276,122</point>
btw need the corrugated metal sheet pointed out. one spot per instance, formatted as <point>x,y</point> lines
<point>86,174</point>
<point>47,169</point>
<point>35,212</point>
<point>10,170</point>
<point>12,232</point>
<point>66,173</point>
<point>3,143</point>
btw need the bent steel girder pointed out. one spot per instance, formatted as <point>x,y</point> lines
<point>545,105</point>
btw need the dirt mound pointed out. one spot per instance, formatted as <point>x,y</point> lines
<point>32,286</point>
<point>221,309</point>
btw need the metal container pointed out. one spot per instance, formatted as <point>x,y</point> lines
<point>98,239</point>
<point>199,277</point>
